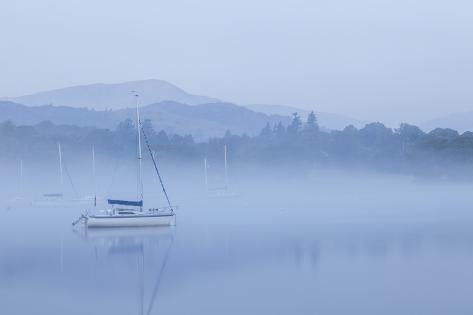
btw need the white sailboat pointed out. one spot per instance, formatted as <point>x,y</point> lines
<point>131,213</point>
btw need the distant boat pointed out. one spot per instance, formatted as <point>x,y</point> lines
<point>221,191</point>
<point>90,199</point>
<point>19,199</point>
<point>131,213</point>
<point>53,199</point>
<point>49,200</point>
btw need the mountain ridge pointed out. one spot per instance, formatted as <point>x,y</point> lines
<point>203,121</point>
<point>116,96</point>
<point>111,95</point>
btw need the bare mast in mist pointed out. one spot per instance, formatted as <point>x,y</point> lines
<point>94,180</point>
<point>225,163</point>
<point>20,184</point>
<point>205,175</point>
<point>140,168</point>
<point>61,176</point>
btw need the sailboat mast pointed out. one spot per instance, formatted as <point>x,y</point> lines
<point>21,178</point>
<point>205,174</point>
<point>138,132</point>
<point>93,174</point>
<point>61,177</point>
<point>226,170</point>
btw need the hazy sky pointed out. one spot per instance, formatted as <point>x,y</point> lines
<point>390,60</point>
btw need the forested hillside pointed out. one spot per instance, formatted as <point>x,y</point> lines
<point>407,149</point>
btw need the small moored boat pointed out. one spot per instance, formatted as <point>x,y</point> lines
<point>132,216</point>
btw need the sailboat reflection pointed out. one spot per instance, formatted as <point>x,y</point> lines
<point>155,243</point>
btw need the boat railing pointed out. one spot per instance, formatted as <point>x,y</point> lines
<point>164,209</point>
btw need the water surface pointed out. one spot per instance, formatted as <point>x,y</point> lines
<point>318,247</point>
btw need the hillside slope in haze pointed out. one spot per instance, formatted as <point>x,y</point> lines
<point>102,96</point>
<point>458,121</point>
<point>208,120</point>
<point>29,115</point>
<point>201,121</point>
<point>112,96</point>
<point>326,120</point>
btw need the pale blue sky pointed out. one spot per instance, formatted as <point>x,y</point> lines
<point>389,60</point>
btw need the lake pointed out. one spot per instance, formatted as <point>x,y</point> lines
<point>325,246</point>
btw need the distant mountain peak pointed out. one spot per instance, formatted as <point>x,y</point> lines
<point>112,95</point>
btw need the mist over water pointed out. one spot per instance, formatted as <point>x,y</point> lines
<point>346,126</point>
<point>288,240</point>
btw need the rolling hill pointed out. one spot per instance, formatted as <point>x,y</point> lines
<point>111,96</point>
<point>202,121</point>
<point>102,97</point>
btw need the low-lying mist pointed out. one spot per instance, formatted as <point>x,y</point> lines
<point>320,234</point>
<point>281,187</point>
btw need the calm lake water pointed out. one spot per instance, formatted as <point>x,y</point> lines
<point>395,247</point>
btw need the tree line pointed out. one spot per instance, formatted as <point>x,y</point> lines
<point>406,149</point>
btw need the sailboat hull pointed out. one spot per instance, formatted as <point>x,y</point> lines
<point>130,221</point>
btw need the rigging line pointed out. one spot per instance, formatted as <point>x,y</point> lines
<point>156,167</point>
<point>70,178</point>
<point>160,276</point>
